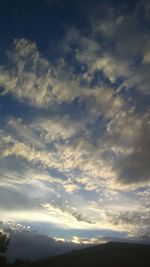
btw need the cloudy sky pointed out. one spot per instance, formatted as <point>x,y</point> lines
<point>75,117</point>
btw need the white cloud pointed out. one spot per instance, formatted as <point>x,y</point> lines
<point>70,187</point>
<point>85,240</point>
<point>67,218</point>
<point>112,67</point>
<point>57,128</point>
<point>30,77</point>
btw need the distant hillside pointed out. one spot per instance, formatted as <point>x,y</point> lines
<point>112,254</point>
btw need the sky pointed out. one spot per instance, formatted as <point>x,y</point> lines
<point>75,118</point>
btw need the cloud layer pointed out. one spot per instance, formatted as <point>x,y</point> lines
<point>75,149</point>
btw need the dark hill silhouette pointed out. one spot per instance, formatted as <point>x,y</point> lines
<point>112,254</point>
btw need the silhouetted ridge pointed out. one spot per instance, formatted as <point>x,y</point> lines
<point>112,254</point>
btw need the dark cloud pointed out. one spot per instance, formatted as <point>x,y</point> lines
<point>135,167</point>
<point>81,218</point>
<point>137,218</point>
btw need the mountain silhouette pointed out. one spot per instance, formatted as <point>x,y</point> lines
<point>112,254</point>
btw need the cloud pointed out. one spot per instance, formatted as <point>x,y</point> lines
<point>87,139</point>
<point>122,29</point>
<point>57,128</point>
<point>85,240</point>
<point>126,136</point>
<point>134,167</point>
<point>30,76</point>
<point>68,217</point>
<point>137,222</point>
<point>146,58</point>
<point>70,187</point>
<point>30,154</point>
<point>24,132</point>
<point>16,173</point>
<point>34,80</point>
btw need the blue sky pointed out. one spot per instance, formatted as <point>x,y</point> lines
<point>75,118</point>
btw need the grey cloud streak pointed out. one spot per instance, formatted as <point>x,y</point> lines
<point>135,167</point>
